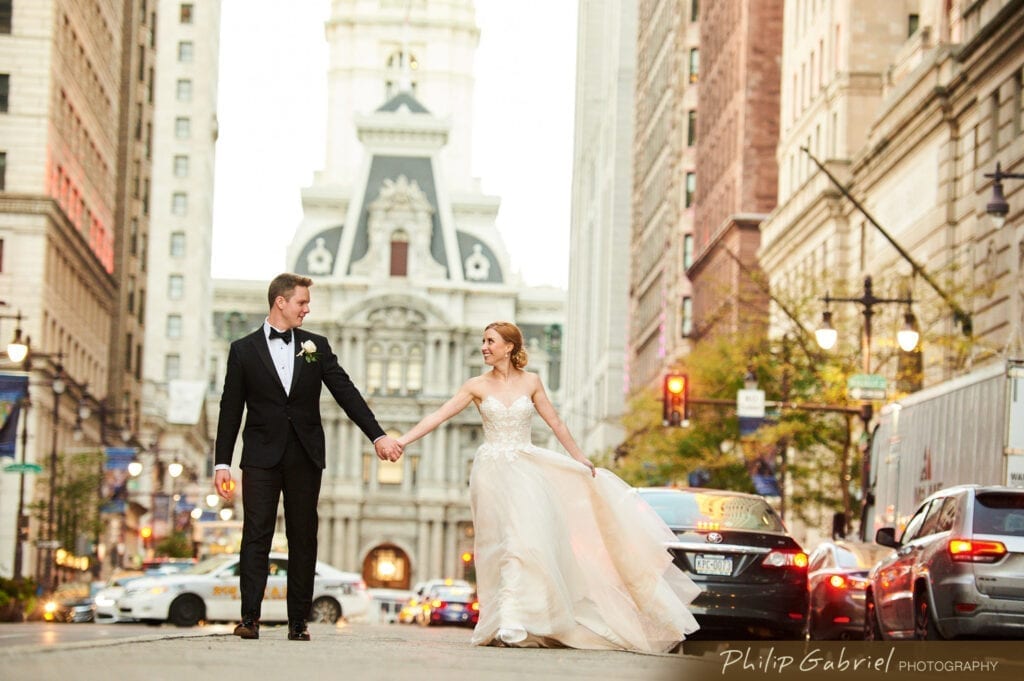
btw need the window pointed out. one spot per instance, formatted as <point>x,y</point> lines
<point>142,63</point>
<point>691,188</point>
<point>181,166</point>
<point>175,286</point>
<point>133,236</point>
<point>184,90</point>
<point>1,255</point>
<point>390,472</point>
<point>179,203</point>
<point>182,127</point>
<point>131,294</point>
<point>185,15</point>
<point>694,64</point>
<point>694,10</point>
<point>174,326</point>
<point>686,317</point>
<point>3,171</point>
<point>414,372</point>
<point>399,254</point>
<point>687,251</point>
<point>375,369</point>
<point>172,367</point>
<point>394,373</point>
<point>5,16</point>
<point>691,128</point>
<point>177,244</point>
<point>5,91</point>
<point>913,21</point>
<point>186,50</point>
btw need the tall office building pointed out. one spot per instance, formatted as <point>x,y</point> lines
<point>741,50</point>
<point>71,150</point>
<point>178,290</point>
<point>668,76</point>
<point>599,236</point>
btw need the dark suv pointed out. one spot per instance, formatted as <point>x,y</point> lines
<point>958,569</point>
<point>752,573</point>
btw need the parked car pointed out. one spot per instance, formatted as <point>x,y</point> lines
<point>105,608</point>
<point>958,569</point>
<point>450,605</point>
<point>416,604</point>
<point>209,591</point>
<point>70,602</point>
<point>752,573</point>
<point>837,576</point>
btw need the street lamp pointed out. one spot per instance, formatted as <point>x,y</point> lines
<point>58,386</point>
<point>17,349</point>
<point>907,337</point>
<point>998,208</point>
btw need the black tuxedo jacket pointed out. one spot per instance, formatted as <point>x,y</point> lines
<point>252,382</point>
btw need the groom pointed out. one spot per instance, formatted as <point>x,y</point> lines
<point>276,373</point>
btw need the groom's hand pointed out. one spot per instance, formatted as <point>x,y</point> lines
<point>388,449</point>
<point>224,483</point>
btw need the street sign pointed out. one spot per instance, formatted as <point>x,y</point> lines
<point>866,387</point>
<point>48,544</point>
<point>750,403</point>
<point>23,468</point>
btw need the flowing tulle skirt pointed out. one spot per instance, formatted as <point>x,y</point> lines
<point>565,559</point>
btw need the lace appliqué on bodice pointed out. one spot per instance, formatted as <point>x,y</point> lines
<point>506,427</point>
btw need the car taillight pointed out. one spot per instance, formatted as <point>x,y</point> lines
<point>475,606</point>
<point>784,559</point>
<point>976,550</point>
<point>437,604</point>
<point>838,582</point>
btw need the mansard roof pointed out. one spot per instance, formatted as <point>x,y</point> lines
<point>403,100</point>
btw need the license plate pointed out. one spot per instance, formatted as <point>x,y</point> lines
<point>712,565</point>
<point>455,607</point>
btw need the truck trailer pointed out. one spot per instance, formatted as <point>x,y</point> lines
<point>966,430</point>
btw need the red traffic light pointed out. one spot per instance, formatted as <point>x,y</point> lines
<point>674,393</point>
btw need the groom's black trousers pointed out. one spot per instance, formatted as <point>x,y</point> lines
<point>298,478</point>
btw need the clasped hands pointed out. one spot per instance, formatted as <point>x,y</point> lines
<point>388,449</point>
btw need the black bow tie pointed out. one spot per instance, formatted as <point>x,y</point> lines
<point>286,336</point>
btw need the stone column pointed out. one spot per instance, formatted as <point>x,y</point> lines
<point>450,532</point>
<point>435,550</point>
<point>338,539</point>
<point>352,562</point>
<point>420,571</point>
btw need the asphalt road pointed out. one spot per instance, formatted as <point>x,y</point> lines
<point>371,652</point>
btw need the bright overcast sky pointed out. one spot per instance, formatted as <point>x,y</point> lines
<point>271,114</point>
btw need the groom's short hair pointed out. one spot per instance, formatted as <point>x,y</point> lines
<point>284,285</point>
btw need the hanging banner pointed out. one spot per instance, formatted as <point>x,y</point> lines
<point>115,478</point>
<point>13,388</point>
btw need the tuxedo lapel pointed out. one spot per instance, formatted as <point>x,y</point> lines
<point>298,361</point>
<point>259,342</point>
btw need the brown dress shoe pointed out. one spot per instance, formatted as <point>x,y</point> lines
<point>298,631</point>
<point>248,628</point>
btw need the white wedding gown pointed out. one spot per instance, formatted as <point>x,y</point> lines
<point>563,558</point>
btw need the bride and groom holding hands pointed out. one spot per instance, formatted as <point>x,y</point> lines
<point>566,554</point>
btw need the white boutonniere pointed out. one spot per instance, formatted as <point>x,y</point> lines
<point>308,351</point>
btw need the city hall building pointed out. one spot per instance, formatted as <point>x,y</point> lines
<point>408,269</point>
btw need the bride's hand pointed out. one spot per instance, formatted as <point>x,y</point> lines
<point>586,462</point>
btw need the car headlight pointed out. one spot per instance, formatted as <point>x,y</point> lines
<point>50,607</point>
<point>104,601</point>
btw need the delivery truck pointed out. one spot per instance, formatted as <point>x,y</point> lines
<point>966,430</point>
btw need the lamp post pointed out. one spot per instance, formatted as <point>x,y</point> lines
<point>998,208</point>
<point>58,386</point>
<point>960,316</point>
<point>907,337</point>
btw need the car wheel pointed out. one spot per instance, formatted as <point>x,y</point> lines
<point>325,609</point>
<point>924,623</point>
<point>872,629</point>
<point>186,611</point>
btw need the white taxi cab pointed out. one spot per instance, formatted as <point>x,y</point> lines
<point>209,591</point>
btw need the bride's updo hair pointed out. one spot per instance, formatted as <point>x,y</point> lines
<point>510,333</point>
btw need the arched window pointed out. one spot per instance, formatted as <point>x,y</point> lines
<point>401,75</point>
<point>414,372</point>
<point>375,369</point>
<point>399,253</point>
<point>395,355</point>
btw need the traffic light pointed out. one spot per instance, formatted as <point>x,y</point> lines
<point>674,395</point>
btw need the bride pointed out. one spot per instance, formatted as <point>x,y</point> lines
<point>566,555</point>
